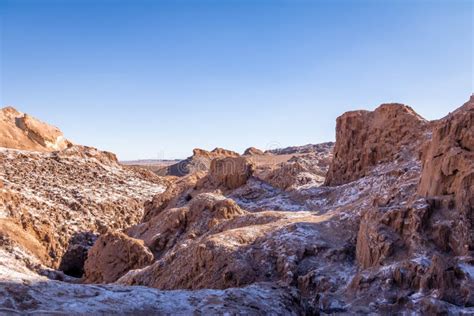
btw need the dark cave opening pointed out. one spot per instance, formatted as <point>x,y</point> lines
<point>73,260</point>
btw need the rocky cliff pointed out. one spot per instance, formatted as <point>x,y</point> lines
<point>365,139</point>
<point>448,176</point>
<point>22,131</point>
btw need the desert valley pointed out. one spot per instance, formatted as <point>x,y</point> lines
<point>379,222</point>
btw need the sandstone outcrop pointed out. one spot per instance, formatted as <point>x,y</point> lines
<point>177,193</point>
<point>173,226</point>
<point>306,169</point>
<point>113,255</point>
<point>230,173</point>
<point>365,139</point>
<point>200,161</point>
<point>419,238</point>
<point>252,151</point>
<point>22,131</point>
<point>448,174</point>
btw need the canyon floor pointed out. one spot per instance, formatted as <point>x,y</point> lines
<point>379,222</point>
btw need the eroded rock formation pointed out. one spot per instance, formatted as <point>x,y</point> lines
<point>252,151</point>
<point>113,255</point>
<point>200,161</point>
<point>365,139</point>
<point>58,197</point>
<point>418,237</point>
<point>257,230</point>
<point>230,173</point>
<point>448,176</point>
<point>22,131</point>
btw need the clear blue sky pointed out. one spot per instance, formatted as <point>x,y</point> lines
<point>154,79</point>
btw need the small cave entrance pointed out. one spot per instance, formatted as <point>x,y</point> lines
<point>73,260</point>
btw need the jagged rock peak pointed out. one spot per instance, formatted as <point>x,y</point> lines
<point>367,138</point>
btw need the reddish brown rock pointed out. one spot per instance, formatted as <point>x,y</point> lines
<point>21,131</point>
<point>221,229</point>
<point>215,153</point>
<point>200,161</point>
<point>178,192</point>
<point>252,151</point>
<point>230,173</point>
<point>174,225</point>
<point>238,249</point>
<point>448,174</point>
<point>286,175</point>
<point>449,282</point>
<point>386,233</point>
<point>298,171</point>
<point>113,255</point>
<point>14,234</point>
<point>56,196</point>
<point>365,139</point>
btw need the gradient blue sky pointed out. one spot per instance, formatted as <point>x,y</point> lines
<point>154,79</point>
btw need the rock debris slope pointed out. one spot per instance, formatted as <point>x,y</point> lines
<point>390,232</point>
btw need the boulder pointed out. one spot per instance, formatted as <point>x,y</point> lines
<point>230,173</point>
<point>113,255</point>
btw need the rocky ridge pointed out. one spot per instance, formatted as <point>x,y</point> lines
<point>256,231</point>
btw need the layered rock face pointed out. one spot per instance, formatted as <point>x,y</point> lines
<point>426,236</point>
<point>448,176</point>
<point>365,139</point>
<point>22,131</point>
